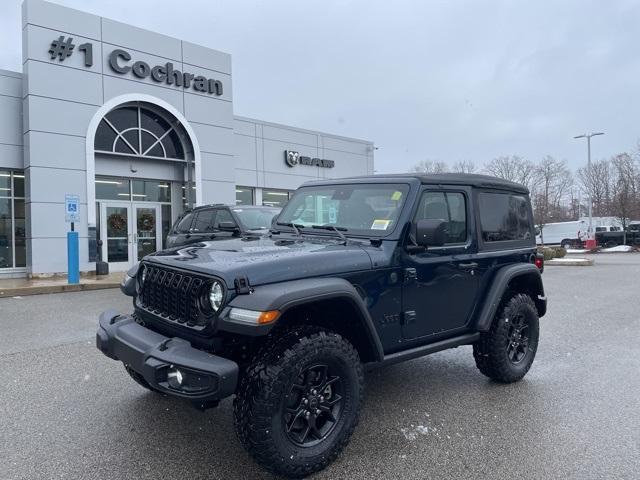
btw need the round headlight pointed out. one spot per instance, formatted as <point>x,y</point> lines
<point>216,296</point>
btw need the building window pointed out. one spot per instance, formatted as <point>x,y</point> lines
<point>275,198</point>
<point>139,131</point>
<point>245,196</point>
<point>12,220</point>
<point>150,191</point>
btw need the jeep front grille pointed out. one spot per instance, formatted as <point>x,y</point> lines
<point>174,295</point>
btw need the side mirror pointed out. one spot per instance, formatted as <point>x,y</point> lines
<point>431,233</point>
<point>228,227</point>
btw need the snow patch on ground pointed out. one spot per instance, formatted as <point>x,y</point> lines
<point>414,431</point>
<point>570,261</point>
<point>577,250</point>
<point>619,248</point>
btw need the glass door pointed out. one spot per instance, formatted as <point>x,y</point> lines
<point>116,235</point>
<point>146,230</point>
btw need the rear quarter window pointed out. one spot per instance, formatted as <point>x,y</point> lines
<point>505,217</point>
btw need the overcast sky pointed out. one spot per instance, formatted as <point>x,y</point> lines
<point>447,80</point>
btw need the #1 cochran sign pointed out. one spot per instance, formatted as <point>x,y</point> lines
<point>119,59</point>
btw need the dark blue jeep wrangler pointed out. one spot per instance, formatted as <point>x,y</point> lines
<point>355,273</point>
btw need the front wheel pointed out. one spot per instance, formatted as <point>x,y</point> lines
<point>298,404</point>
<point>505,353</point>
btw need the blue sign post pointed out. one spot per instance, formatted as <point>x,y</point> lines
<point>72,215</point>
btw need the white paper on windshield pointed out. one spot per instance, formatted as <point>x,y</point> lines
<point>380,224</point>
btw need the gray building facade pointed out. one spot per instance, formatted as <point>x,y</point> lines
<point>139,126</point>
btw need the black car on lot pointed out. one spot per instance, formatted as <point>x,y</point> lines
<point>355,273</point>
<point>217,222</point>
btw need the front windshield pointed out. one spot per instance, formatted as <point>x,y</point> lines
<point>361,209</point>
<point>256,218</point>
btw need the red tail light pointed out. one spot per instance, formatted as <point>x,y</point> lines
<point>539,262</point>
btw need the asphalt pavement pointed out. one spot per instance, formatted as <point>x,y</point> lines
<point>68,412</point>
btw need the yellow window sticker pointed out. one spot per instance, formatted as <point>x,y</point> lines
<point>380,224</point>
<point>396,195</point>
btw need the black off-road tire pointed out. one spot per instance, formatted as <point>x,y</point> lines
<point>267,388</point>
<point>139,379</point>
<point>492,351</point>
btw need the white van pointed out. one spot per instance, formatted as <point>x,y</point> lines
<point>565,234</point>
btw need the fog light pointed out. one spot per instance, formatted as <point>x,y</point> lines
<point>174,378</point>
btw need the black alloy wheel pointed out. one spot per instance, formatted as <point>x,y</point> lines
<point>518,339</point>
<point>314,405</point>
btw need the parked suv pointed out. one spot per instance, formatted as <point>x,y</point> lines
<point>216,222</point>
<point>356,273</point>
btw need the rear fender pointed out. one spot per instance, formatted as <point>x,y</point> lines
<point>522,277</point>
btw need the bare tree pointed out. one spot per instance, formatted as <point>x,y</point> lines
<point>624,189</point>
<point>513,168</point>
<point>554,183</point>
<point>430,166</point>
<point>464,166</point>
<point>596,184</point>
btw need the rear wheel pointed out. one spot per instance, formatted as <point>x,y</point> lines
<point>299,402</point>
<point>566,244</point>
<point>505,353</point>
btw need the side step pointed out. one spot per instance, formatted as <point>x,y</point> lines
<point>423,350</point>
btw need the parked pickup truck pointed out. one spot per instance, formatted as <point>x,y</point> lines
<point>615,238</point>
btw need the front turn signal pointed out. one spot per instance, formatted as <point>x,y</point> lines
<point>253,317</point>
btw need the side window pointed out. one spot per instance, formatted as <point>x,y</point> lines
<point>204,221</point>
<point>504,217</point>
<point>184,225</point>
<point>448,206</point>
<point>223,216</point>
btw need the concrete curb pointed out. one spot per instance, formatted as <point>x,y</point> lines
<point>570,262</point>
<point>43,289</point>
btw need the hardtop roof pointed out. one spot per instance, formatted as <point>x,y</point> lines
<point>470,179</point>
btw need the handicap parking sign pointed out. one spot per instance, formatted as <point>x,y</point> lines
<point>71,208</point>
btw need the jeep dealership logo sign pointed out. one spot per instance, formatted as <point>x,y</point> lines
<point>120,62</point>
<point>292,159</point>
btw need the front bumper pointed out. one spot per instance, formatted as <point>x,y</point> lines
<point>204,377</point>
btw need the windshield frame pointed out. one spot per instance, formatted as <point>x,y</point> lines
<point>369,234</point>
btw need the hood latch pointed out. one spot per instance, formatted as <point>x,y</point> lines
<point>242,285</point>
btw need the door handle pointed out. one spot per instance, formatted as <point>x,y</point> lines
<point>467,266</point>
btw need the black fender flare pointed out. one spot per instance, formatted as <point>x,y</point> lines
<point>499,285</point>
<point>286,295</point>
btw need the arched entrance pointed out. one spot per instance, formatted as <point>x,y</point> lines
<point>143,169</point>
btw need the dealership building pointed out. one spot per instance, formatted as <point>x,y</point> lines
<point>135,127</point>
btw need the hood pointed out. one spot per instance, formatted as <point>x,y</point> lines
<point>266,260</point>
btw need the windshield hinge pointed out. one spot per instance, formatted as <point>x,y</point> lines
<point>242,285</point>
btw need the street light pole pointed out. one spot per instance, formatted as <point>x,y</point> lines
<point>591,239</point>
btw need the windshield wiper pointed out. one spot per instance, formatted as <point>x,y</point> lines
<point>338,230</point>
<point>296,226</point>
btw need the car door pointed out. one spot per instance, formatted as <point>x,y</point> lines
<point>441,285</point>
